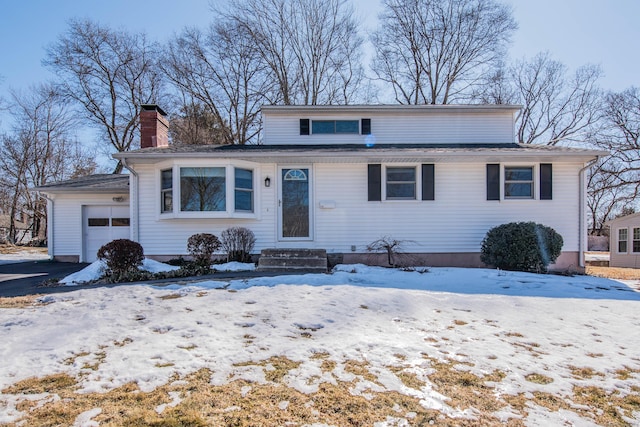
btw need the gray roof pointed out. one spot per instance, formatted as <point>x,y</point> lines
<point>353,152</point>
<point>386,108</point>
<point>99,183</point>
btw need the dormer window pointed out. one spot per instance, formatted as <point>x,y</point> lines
<point>333,127</point>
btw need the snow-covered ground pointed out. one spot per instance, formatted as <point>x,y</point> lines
<point>24,255</point>
<point>485,320</point>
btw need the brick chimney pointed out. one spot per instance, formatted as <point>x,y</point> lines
<point>154,127</point>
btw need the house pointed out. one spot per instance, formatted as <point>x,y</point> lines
<point>435,177</point>
<point>22,223</point>
<point>624,241</point>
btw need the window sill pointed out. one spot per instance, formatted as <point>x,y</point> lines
<point>208,215</point>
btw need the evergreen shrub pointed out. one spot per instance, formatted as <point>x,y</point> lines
<point>521,246</point>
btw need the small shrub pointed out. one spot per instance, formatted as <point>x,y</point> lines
<point>521,246</point>
<point>393,248</point>
<point>201,247</point>
<point>238,243</point>
<point>123,257</point>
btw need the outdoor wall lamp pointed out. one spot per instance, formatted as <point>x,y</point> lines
<point>267,182</point>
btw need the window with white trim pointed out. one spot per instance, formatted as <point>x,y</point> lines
<point>213,191</point>
<point>166,191</point>
<point>518,182</point>
<point>622,240</point>
<point>243,190</point>
<point>401,183</point>
<point>636,240</point>
<point>334,126</point>
<point>203,189</point>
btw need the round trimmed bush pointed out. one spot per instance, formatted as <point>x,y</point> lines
<point>521,246</point>
<point>201,247</point>
<point>122,256</point>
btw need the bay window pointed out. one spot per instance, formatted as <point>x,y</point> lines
<point>213,191</point>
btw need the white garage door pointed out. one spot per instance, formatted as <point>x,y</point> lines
<point>103,224</point>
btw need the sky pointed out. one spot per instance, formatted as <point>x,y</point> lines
<point>575,32</point>
<point>482,321</point>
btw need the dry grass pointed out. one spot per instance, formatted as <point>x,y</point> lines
<point>274,403</point>
<point>538,378</point>
<point>21,302</point>
<point>614,272</point>
<point>13,249</point>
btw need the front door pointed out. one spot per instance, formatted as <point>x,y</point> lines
<point>295,203</point>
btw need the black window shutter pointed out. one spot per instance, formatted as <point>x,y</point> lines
<point>493,181</point>
<point>365,126</point>
<point>304,126</point>
<point>374,183</point>
<point>428,184</point>
<point>546,181</point>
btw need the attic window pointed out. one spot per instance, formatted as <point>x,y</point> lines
<point>335,126</point>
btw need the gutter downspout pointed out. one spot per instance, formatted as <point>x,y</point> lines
<point>50,241</point>
<point>133,200</point>
<point>582,241</point>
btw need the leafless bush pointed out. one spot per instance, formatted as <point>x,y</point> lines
<point>238,242</point>
<point>393,249</point>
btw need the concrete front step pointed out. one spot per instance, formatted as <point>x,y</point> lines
<point>314,260</point>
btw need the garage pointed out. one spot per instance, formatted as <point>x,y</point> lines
<point>102,224</point>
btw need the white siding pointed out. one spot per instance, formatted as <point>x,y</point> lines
<point>432,128</point>
<point>168,236</point>
<point>455,222</point>
<point>67,220</point>
<point>628,258</point>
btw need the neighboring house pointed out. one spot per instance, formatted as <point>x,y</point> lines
<point>336,178</point>
<point>22,224</point>
<point>624,241</point>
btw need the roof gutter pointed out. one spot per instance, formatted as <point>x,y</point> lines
<point>133,200</point>
<point>583,244</point>
<point>50,216</point>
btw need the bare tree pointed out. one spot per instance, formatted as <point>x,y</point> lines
<point>556,107</point>
<point>608,194</point>
<point>615,184</point>
<point>36,152</point>
<point>221,72</point>
<point>109,74</point>
<point>312,48</point>
<point>436,51</point>
<point>194,124</point>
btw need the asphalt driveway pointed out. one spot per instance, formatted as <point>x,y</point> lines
<point>30,278</point>
<point>27,278</point>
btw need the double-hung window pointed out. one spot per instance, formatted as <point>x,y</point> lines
<point>401,183</point>
<point>243,190</point>
<point>518,182</point>
<point>636,240</point>
<point>166,191</point>
<point>622,240</point>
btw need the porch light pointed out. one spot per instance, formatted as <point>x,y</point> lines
<point>267,182</point>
